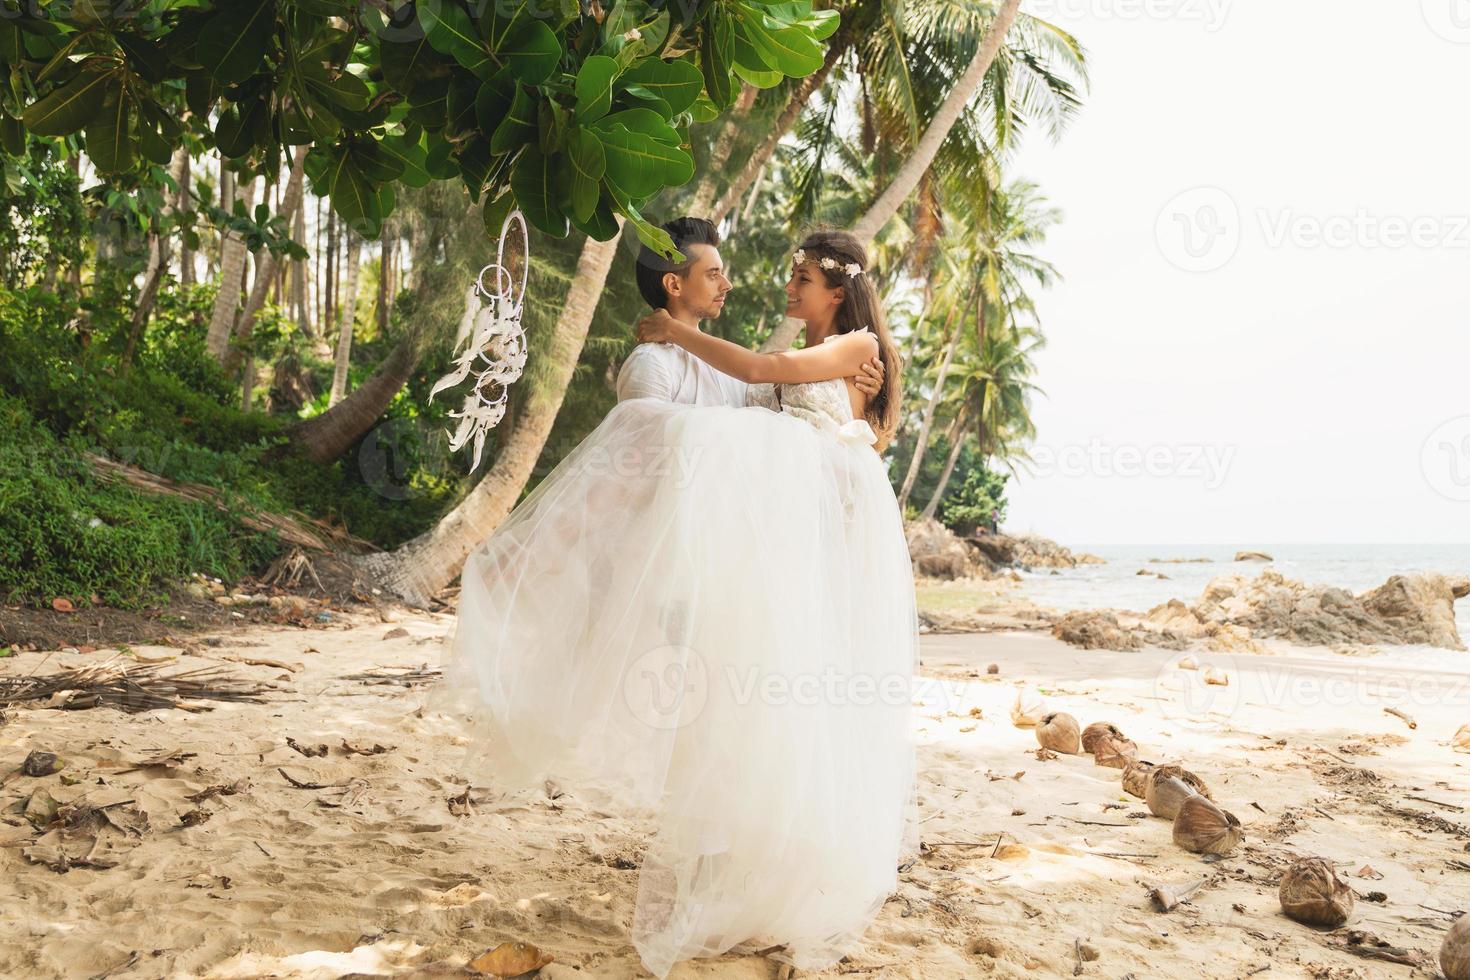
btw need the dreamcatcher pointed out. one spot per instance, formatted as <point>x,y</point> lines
<point>495,351</point>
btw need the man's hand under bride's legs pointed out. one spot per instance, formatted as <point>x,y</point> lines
<point>870,379</point>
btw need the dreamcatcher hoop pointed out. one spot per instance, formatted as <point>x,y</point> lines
<point>494,345</point>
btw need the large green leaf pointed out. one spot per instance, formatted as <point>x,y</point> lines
<point>716,55</point>
<point>640,166</point>
<point>345,90</point>
<point>588,164</point>
<point>430,103</point>
<point>406,55</point>
<point>760,79</point>
<point>376,162</point>
<point>449,30</point>
<point>494,100</point>
<point>234,42</point>
<point>242,127</point>
<point>144,55</point>
<point>68,108</point>
<point>535,192</point>
<point>676,82</point>
<point>11,48</point>
<point>789,50</point>
<point>644,121</point>
<point>519,125</point>
<point>601,225</point>
<point>594,87</point>
<point>649,233</point>
<point>110,141</point>
<point>354,196</point>
<point>531,51</point>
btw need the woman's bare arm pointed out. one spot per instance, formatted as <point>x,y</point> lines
<point>841,358</point>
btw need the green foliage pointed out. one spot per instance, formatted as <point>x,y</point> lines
<point>580,113</point>
<point>175,414</point>
<point>978,501</point>
<point>66,533</point>
<point>42,217</point>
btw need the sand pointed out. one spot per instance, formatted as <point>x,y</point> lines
<point>1032,866</point>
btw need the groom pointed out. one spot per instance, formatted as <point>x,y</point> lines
<point>692,292</point>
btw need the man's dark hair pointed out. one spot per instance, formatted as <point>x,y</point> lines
<point>652,267</point>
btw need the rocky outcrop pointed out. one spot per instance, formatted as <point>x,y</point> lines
<point>938,553</point>
<point>1407,609</point>
<point>1029,551</point>
<point>1095,629</point>
<point>1253,556</point>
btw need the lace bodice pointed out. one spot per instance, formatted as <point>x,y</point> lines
<point>825,404</point>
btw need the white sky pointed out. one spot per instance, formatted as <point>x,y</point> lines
<point>1316,374</point>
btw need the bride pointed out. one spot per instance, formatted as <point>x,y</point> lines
<point>705,616</point>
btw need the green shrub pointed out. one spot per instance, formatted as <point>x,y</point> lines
<point>66,532</point>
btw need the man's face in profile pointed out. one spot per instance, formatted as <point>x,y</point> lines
<point>702,289</point>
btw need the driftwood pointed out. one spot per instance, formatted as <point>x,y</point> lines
<point>302,531</point>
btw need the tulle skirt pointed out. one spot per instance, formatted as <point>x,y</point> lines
<point>706,615</point>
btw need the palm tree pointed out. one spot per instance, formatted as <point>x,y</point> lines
<point>910,66</point>
<point>994,245</point>
<point>233,254</point>
<point>944,120</point>
<point>343,357</point>
<point>424,565</point>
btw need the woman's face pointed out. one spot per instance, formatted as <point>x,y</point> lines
<point>808,297</point>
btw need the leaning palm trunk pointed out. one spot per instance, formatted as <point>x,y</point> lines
<point>704,193</point>
<point>800,96</point>
<point>231,279</point>
<point>349,307</point>
<point>922,445</point>
<point>913,169</point>
<point>956,444</point>
<point>421,567</point>
<point>327,436</point>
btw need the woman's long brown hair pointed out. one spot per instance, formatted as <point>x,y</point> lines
<point>859,309</point>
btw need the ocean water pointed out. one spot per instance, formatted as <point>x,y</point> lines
<point>1117,584</point>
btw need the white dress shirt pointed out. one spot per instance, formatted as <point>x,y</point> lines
<point>672,374</point>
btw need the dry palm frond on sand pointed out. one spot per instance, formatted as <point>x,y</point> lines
<point>130,687</point>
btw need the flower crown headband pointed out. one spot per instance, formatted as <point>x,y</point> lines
<point>852,269</point>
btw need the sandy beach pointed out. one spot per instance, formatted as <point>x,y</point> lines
<point>381,864</point>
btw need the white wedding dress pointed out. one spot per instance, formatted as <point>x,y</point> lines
<point>706,615</point>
